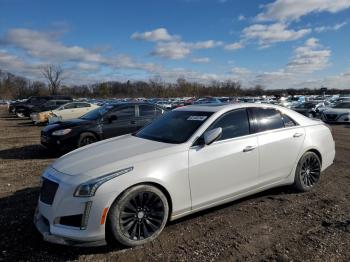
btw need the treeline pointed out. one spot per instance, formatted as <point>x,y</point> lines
<point>15,87</point>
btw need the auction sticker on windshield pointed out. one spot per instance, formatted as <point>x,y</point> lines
<point>197,118</point>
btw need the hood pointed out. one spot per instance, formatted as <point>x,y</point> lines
<point>337,111</point>
<point>109,155</point>
<point>66,124</point>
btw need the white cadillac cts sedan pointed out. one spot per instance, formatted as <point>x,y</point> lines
<point>190,159</point>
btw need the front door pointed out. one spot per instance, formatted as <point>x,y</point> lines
<point>226,167</point>
<point>123,123</point>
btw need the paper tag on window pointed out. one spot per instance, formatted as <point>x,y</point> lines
<point>197,118</point>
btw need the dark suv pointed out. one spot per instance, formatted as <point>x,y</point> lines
<point>101,123</point>
<point>33,104</point>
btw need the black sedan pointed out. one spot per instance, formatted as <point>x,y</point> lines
<point>102,123</point>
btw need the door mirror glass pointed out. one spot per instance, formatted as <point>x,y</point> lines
<point>212,135</point>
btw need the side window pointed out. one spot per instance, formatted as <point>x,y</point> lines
<point>146,110</point>
<point>124,112</point>
<point>233,124</point>
<point>69,106</point>
<point>81,105</point>
<point>288,122</point>
<point>50,103</point>
<point>268,119</point>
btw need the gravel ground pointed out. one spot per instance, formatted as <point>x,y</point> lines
<point>276,225</point>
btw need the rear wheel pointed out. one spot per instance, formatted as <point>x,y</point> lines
<point>308,172</point>
<point>86,139</point>
<point>139,215</point>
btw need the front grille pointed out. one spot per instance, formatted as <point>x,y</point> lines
<point>331,117</point>
<point>48,191</point>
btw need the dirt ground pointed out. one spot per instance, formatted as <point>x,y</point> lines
<point>276,225</point>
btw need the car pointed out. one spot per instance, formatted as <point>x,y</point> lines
<point>190,159</point>
<point>64,112</point>
<point>307,108</point>
<point>101,123</point>
<point>207,100</point>
<point>37,104</point>
<point>340,113</point>
<point>164,104</point>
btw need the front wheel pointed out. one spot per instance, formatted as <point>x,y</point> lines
<point>86,139</point>
<point>139,215</point>
<point>308,172</point>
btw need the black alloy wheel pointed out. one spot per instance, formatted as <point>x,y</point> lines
<point>139,215</point>
<point>308,171</point>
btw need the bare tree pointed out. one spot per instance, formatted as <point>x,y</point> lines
<point>53,74</point>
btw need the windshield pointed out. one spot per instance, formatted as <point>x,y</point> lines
<point>96,113</point>
<point>342,105</point>
<point>174,127</point>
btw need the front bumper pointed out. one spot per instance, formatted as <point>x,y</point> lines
<point>49,216</point>
<point>44,228</point>
<point>58,142</point>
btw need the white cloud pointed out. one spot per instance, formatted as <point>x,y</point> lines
<point>269,34</point>
<point>240,71</point>
<point>335,27</point>
<point>179,50</point>
<point>289,10</point>
<point>309,58</point>
<point>201,60</point>
<point>45,45</point>
<point>234,46</point>
<point>159,34</point>
<point>241,18</point>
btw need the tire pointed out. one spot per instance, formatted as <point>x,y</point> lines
<point>138,216</point>
<point>20,114</point>
<point>308,172</point>
<point>86,139</point>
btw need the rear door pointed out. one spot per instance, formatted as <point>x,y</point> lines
<point>123,123</point>
<point>280,139</point>
<point>81,109</point>
<point>67,111</point>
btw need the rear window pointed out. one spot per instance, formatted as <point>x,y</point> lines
<point>288,122</point>
<point>268,119</point>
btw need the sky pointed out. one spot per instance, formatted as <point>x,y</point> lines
<point>273,43</point>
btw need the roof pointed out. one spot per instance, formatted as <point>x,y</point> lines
<point>301,119</point>
<point>222,106</point>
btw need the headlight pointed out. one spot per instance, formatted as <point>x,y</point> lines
<point>89,188</point>
<point>61,132</point>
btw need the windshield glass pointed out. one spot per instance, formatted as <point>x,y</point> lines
<point>96,113</point>
<point>342,105</point>
<point>174,127</point>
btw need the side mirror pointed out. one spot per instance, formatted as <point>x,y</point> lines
<point>212,135</point>
<point>112,118</point>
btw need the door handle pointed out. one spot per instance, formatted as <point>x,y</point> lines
<point>297,135</point>
<point>249,148</point>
